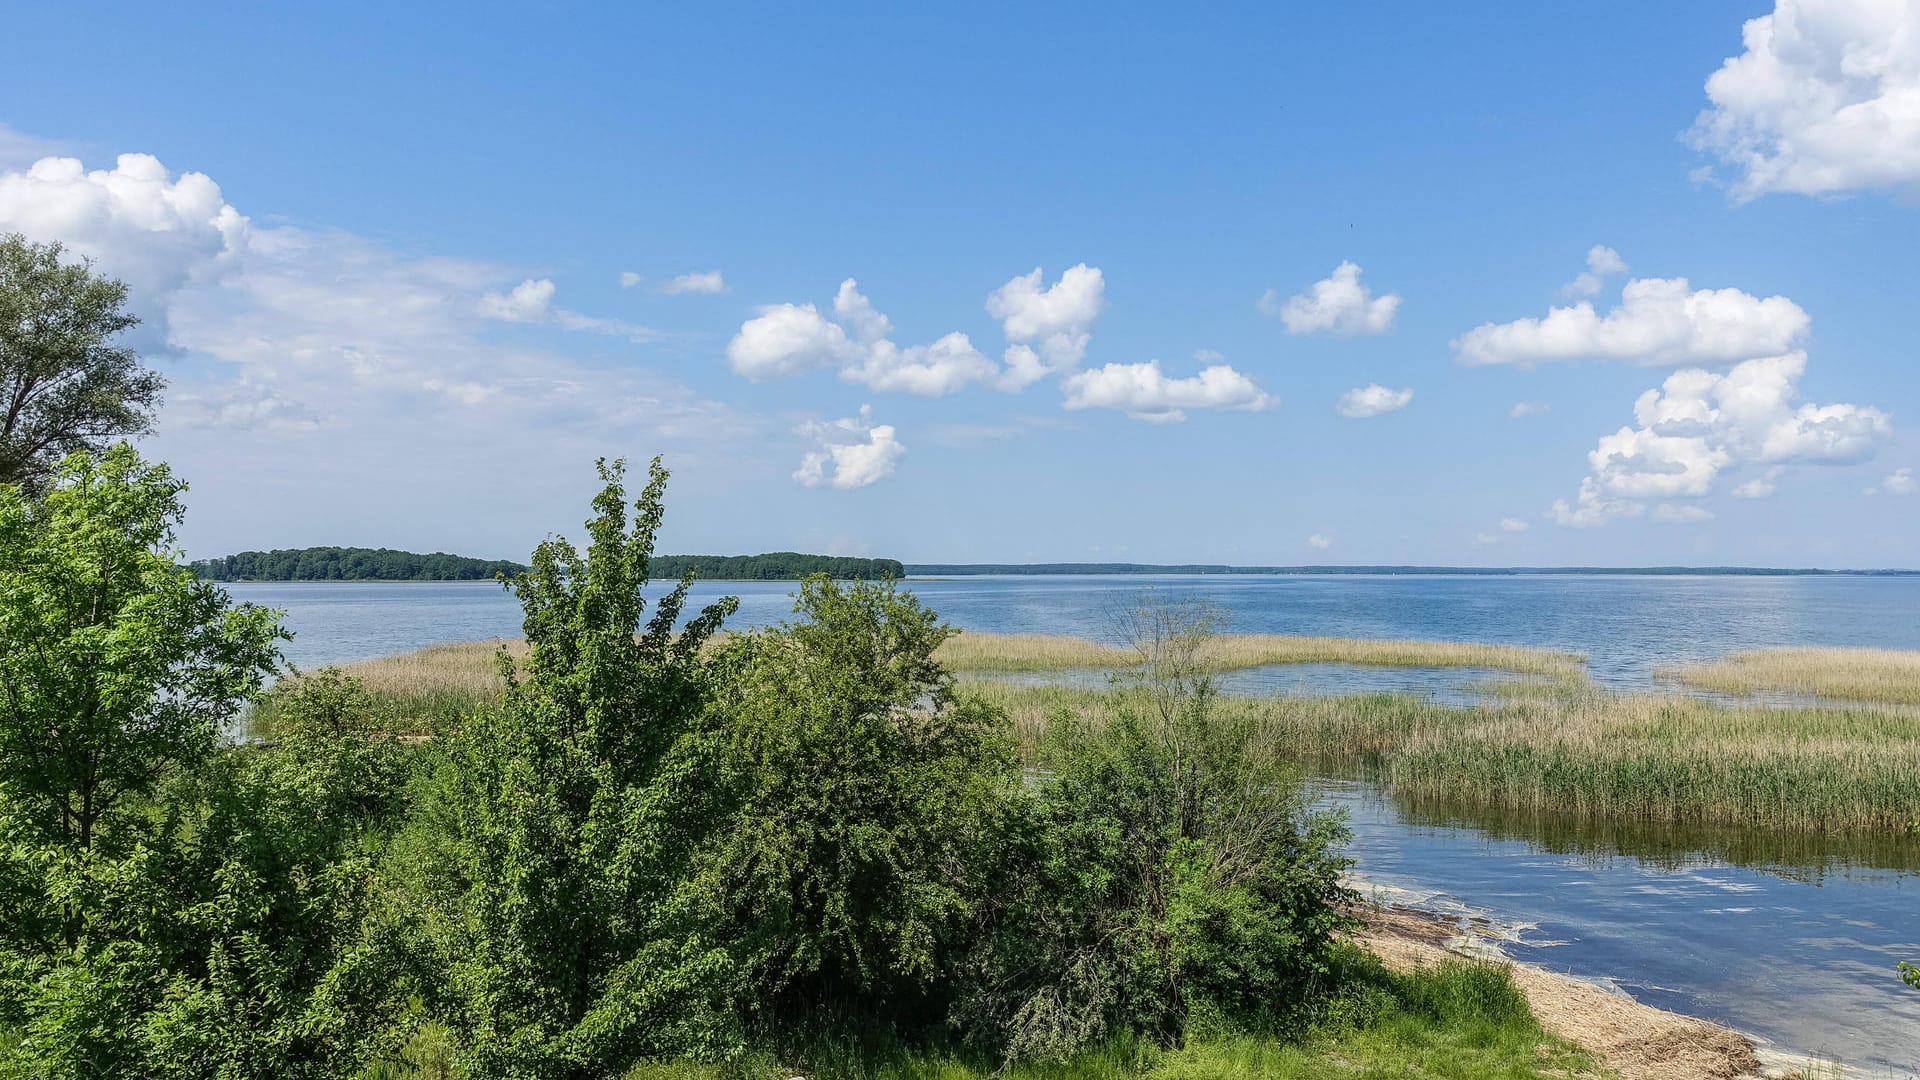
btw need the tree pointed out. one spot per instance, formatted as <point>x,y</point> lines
<point>64,385</point>
<point>119,665</point>
<point>577,939</point>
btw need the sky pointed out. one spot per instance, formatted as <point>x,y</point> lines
<point>1624,285</point>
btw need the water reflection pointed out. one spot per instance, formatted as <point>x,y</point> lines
<point>1805,857</point>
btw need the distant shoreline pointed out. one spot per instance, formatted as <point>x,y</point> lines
<point>930,570</point>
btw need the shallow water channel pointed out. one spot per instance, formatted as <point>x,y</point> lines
<point>1790,940</point>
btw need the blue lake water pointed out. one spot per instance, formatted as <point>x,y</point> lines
<point>1624,625</point>
<point>1790,940</point>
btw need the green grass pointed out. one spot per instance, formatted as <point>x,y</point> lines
<point>975,651</point>
<point>1457,1021</point>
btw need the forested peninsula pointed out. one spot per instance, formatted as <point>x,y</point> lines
<point>388,564</point>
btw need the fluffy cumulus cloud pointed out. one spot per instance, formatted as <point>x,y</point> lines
<point>1049,328</point>
<point>1371,400</point>
<point>1523,409</point>
<point>1658,321</point>
<point>628,279</point>
<point>1900,482</point>
<point>1602,263</point>
<point>702,282</point>
<point>1825,98</point>
<point>153,230</point>
<point>849,453</point>
<point>1144,392</point>
<point>1759,487</point>
<point>1699,424</point>
<point>1319,541</point>
<point>1513,525</point>
<point>1337,304</point>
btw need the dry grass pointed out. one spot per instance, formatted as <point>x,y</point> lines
<point>1010,653</point>
<point>1883,675</point>
<point>462,667</point>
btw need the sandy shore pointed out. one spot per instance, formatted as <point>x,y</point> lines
<point>1637,1041</point>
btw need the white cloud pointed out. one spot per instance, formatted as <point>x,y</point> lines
<point>1337,303</point>
<point>1760,487</point>
<point>1698,424</point>
<point>853,452</point>
<point>1143,392</point>
<point>154,231</point>
<point>531,301</point>
<point>1900,482</point>
<point>1372,400</point>
<point>1320,541</point>
<point>1825,99</point>
<point>1528,408</point>
<point>628,279</point>
<point>703,282</point>
<point>1050,329</point>
<point>1602,263</point>
<point>1659,321</point>
<point>1513,525</point>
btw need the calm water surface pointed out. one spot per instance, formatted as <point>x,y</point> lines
<point>1792,940</point>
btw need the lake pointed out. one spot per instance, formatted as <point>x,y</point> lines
<point>1791,939</point>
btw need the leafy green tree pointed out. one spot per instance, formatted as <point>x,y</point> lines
<point>119,666</point>
<point>170,906</point>
<point>576,936</point>
<point>871,793</point>
<point>65,385</point>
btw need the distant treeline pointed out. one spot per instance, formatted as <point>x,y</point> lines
<point>387,564</point>
<point>776,566</point>
<point>351,564</point>
<point>965,569</point>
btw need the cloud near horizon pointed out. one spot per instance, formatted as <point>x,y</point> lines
<point>851,452</point>
<point>1699,424</point>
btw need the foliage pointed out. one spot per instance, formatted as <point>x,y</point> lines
<point>119,666</point>
<point>567,821</point>
<point>65,385</point>
<point>778,566</point>
<point>871,793</point>
<point>1170,875</point>
<point>351,564</point>
<point>171,908</point>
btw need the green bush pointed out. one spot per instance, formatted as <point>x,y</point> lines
<point>870,797</point>
<point>1165,875</point>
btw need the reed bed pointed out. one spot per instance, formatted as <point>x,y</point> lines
<point>1579,753</point>
<point>1891,676</point>
<point>1016,653</point>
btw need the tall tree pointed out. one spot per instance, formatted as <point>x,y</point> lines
<point>65,385</point>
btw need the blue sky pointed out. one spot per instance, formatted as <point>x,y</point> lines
<point>426,273</point>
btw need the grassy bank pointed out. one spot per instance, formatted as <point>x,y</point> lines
<point>1883,675</point>
<point>1583,754</point>
<point>1454,1019</point>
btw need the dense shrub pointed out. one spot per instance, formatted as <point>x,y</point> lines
<point>871,796</point>
<point>1167,875</point>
